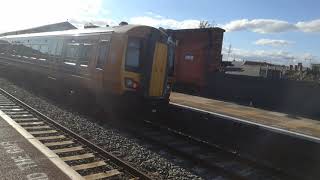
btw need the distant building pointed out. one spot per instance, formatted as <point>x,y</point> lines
<point>46,28</point>
<point>244,68</point>
<point>315,67</point>
<point>273,72</point>
<point>257,63</point>
<point>256,69</point>
<point>300,67</point>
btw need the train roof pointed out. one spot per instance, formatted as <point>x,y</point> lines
<point>116,29</point>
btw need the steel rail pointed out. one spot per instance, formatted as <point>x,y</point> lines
<point>101,152</point>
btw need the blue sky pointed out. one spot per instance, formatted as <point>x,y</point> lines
<point>304,44</point>
<point>224,11</point>
<point>281,31</point>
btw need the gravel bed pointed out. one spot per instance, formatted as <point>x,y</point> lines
<point>157,164</point>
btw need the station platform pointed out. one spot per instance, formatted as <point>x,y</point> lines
<point>300,126</point>
<point>24,157</point>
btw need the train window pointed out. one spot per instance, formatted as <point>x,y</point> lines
<point>14,49</point>
<point>78,51</point>
<point>23,48</point>
<point>43,50</point>
<point>3,47</point>
<point>103,54</point>
<point>51,48</point>
<point>28,52</point>
<point>10,48</point>
<point>20,48</point>
<point>85,52</point>
<point>59,48</point>
<point>73,50</point>
<point>35,51</point>
<point>72,53</point>
<point>133,55</point>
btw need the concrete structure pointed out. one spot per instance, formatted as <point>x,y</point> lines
<point>24,157</point>
<point>282,141</point>
<point>197,54</point>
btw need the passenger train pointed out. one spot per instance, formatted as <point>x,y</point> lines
<point>128,63</point>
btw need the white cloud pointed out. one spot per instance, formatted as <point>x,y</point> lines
<point>259,25</point>
<point>262,26</point>
<point>159,21</point>
<point>272,26</point>
<point>309,26</point>
<point>16,14</point>
<point>273,42</point>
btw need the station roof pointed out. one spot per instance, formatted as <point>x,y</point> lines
<point>46,28</point>
<point>117,29</point>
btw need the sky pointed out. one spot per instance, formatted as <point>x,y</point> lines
<point>277,31</point>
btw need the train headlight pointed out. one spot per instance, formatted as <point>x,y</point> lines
<point>130,83</point>
<point>168,88</point>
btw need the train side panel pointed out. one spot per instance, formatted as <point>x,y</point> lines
<point>113,68</point>
<point>129,60</point>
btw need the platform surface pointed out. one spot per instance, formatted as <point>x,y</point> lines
<point>20,159</point>
<point>284,121</point>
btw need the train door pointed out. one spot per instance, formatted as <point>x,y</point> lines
<point>158,74</point>
<point>155,66</point>
<point>102,52</point>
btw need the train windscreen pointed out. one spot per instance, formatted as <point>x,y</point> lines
<point>133,55</point>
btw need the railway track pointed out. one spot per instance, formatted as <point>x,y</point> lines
<point>212,160</point>
<point>225,164</point>
<point>89,160</point>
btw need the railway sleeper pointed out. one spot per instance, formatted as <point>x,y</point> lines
<point>12,110</point>
<point>72,152</point>
<point>43,132</point>
<point>31,123</point>
<point>27,120</point>
<point>5,107</point>
<point>15,112</point>
<point>107,174</point>
<point>37,127</point>
<point>58,143</point>
<point>18,116</point>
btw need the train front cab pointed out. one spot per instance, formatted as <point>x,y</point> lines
<point>146,66</point>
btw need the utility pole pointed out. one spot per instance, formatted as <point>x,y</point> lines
<point>229,52</point>
<point>308,59</point>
